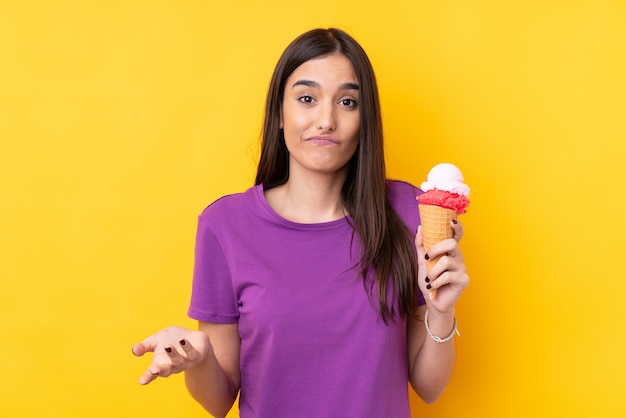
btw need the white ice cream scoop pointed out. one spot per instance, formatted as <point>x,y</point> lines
<point>446,177</point>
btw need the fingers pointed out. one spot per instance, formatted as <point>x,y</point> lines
<point>147,345</point>
<point>421,253</point>
<point>165,362</point>
<point>447,276</point>
<point>190,351</point>
<point>171,364</point>
<point>448,247</point>
<point>446,268</point>
<point>419,246</point>
<point>138,350</point>
<point>148,377</point>
<point>173,352</point>
<point>457,277</point>
<point>419,238</point>
<point>457,230</point>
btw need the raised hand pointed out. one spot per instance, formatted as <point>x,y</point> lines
<point>175,349</point>
<point>448,275</point>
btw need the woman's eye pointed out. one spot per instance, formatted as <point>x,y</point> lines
<point>306,99</point>
<point>348,102</point>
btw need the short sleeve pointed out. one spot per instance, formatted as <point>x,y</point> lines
<point>212,296</point>
<point>403,197</point>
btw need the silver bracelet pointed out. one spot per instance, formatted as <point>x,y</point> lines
<point>434,337</point>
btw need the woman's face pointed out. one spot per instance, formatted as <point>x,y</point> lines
<point>320,115</point>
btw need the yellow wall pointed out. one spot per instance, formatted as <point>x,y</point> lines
<point>121,120</point>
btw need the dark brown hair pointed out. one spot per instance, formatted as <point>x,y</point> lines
<point>386,240</point>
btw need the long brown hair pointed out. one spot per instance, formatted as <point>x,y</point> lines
<point>386,240</point>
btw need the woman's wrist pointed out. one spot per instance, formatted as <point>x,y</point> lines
<point>440,327</point>
<point>435,316</point>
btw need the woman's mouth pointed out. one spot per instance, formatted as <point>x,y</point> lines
<point>323,140</point>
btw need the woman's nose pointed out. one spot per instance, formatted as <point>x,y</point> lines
<point>326,118</point>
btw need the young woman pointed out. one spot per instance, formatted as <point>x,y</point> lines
<point>308,286</point>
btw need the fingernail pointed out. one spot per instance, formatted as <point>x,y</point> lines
<point>427,280</point>
<point>426,257</point>
<point>428,286</point>
<point>168,349</point>
<point>182,342</point>
<point>454,221</point>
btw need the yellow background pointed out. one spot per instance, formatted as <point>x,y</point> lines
<point>121,120</point>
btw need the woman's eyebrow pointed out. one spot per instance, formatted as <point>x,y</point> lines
<point>308,83</point>
<point>349,86</point>
<point>315,84</point>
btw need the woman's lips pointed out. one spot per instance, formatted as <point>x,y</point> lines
<point>323,140</point>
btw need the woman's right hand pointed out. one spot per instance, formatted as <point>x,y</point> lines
<point>175,349</point>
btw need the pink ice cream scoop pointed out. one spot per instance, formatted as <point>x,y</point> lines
<point>445,188</point>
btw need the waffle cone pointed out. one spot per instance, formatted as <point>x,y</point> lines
<point>435,228</point>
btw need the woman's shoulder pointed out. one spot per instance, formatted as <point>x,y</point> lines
<point>403,198</point>
<point>230,205</point>
<point>401,189</point>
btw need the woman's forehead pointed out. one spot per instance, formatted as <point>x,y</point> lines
<point>335,68</point>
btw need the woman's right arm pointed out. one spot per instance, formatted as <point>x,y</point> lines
<point>214,383</point>
<point>209,357</point>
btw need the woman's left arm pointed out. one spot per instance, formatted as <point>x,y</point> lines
<point>431,362</point>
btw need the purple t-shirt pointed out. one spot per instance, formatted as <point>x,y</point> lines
<point>312,343</point>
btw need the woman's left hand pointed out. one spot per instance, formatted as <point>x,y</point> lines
<point>448,275</point>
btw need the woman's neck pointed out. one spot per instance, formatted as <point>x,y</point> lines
<point>309,199</point>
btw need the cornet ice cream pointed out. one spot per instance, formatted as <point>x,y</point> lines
<point>445,197</point>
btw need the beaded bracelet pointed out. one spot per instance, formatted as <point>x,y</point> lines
<point>434,337</point>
